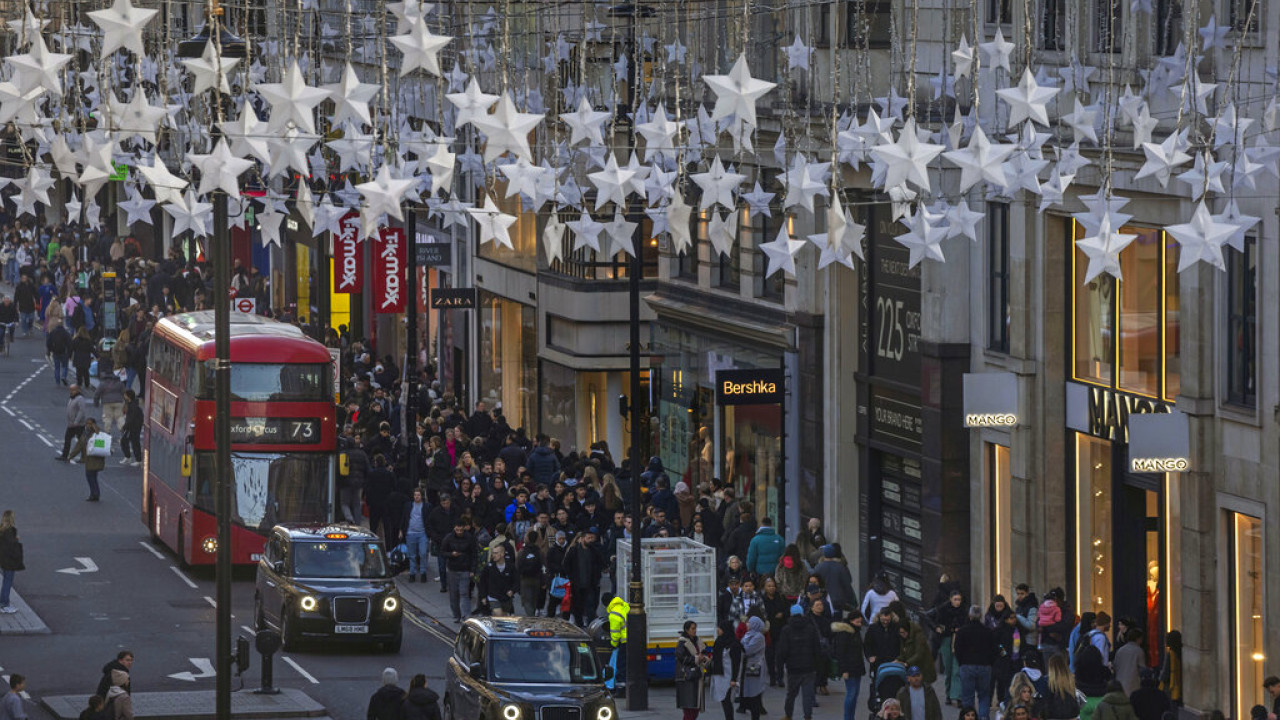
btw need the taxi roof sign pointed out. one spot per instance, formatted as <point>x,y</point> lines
<point>335,536</point>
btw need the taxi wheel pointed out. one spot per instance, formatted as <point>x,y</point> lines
<point>259,617</point>
<point>448,708</point>
<point>288,634</point>
<point>393,646</point>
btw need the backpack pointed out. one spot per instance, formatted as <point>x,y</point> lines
<point>1084,639</point>
<point>530,563</point>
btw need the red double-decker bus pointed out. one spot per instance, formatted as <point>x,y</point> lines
<point>283,434</point>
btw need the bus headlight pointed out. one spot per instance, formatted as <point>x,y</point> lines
<point>308,603</point>
<point>209,544</point>
<point>390,604</point>
<point>604,713</point>
<point>511,712</point>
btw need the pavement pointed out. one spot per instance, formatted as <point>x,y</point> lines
<point>199,704</point>
<point>23,622</point>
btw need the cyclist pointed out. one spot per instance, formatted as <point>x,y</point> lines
<point>8,321</point>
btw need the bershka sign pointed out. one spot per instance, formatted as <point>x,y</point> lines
<point>390,255</point>
<point>763,386</point>
<point>348,256</point>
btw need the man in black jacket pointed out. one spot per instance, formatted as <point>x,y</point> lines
<point>123,662</point>
<point>459,551</point>
<point>440,521</point>
<point>975,653</point>
<point>584,566</point>
<point>882,643</point>
<point>386,701</point>
<point>379,484</point>
<point>801,651</point>
<point>498,582</point>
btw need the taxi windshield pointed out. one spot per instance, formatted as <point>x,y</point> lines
<point>344,560</point>
<point>542,661</point>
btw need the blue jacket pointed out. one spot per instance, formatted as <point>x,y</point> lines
<point>543,465</point>
<point>764,551</point>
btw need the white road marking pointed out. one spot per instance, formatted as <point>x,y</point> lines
<point>45,440</point>
<point>203,665</point>
<point>151,550</point>
<point>87,565</point>
<point>6,409</point>
<point>248,629</point>
<point>211,601</point>
<point>26,425</point>
<point>310,678</point>
<point>185,579</point>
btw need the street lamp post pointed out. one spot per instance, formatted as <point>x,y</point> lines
<point>229,46</point>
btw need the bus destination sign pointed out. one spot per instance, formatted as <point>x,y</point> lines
<point>275,431</point>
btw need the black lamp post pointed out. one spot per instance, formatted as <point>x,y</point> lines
<point>230,46</point>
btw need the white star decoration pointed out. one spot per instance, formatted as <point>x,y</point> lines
<point>906,161</point>
<point>421,48</point>
<point>1201,239</point>
<point>781,253</point>
<point>122,25</point>
<point>507,130</point>
<point>737,92</point>
<point>493,223</point>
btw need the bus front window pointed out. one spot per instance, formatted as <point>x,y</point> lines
<point>271,488</point>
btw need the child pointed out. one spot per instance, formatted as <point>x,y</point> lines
<point>1050,613</point>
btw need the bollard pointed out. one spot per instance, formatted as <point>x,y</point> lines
<point>267,643</point>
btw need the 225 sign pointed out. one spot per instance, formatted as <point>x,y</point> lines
<point>893,304</point>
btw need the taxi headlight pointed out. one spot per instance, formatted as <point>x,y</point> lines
<point>390,604</point>
<point>511,712</point>
<point>604,713</point>
<point>309,603</point>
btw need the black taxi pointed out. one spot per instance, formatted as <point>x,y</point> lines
<point>525,668</point>
<point>327,581</point>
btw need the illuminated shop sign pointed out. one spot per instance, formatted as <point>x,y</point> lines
<point>749,387</point>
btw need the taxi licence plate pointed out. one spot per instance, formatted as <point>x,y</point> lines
<point>351,629</point>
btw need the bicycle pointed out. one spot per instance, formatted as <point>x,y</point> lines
<point>6,337</point>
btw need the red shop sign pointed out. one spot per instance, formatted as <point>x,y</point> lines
<point>348,256</point>
<point>390,256</point>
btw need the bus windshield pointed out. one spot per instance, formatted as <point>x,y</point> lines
<point>271,488</point>
<point>270,382</point>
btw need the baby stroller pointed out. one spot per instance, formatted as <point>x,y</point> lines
<point>888,679</point>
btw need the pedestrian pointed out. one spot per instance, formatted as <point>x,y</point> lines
<point>93,464</point>
<point>801,656</point>
<point>878,596</point>
<point>790,573</point>
<point>1272,685</point>
<point>77,415</point>
<point>974,649</point>
<point>351,485</point>
<point>1171,670</point>
<point>751,681</point>
<point>387,700</point>
<point>1150,702</point>
<point>110,397</point>
<point>439,524</point>
<point>498,583</point>
<point>123,663</point>
<point>947,619</point>
<point>459,550</point>
<point>688,673</point>
<point>1115,704</point>
<point>96,709</point>
<point>10,559</point>
<point>131,435</point>
<point>421,703</point>
<point>835,577</point>
<point>119,701</point>
<point>530,567</point>
<point>847,642</point>
<point>57,345</point>
<point>584,567</point>
<point>1060,703</point>
<point>11,706</point>
<point>776,612</point>
<point>918,700</point>
<point>82,357</point>
<point>1130,661</point>
<point>890,709</point>
<point>415,536</point>
<point>616,610</point>
<point>765,549</point>
<point>725,668</point>
<point>882,643</point>
<point>1008,641</point>
<point>915,650</point>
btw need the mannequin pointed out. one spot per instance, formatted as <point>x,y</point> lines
<point>1153,614</point>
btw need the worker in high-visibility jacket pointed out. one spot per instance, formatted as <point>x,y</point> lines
<point>617,610</point>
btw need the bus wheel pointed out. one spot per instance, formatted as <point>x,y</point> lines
<point>181,547</point>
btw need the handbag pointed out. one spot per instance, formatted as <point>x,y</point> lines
<point>99,445</point>
<point>559,585</point>
<point>752,670</point>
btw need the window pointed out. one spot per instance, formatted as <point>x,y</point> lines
<point>1125,334</point>
<point>1093,523</point>
<point>1053,24</point>
<point>822,36</point>
<point>1168,26</point>
<point>1241,345</point>
<point>999,12</point>
<point>1248,644</point>
<point>867,23</point>
<point>999,480</point>
<point>1108,32</point>
<point>1244,15</point>
<point>998,267</point>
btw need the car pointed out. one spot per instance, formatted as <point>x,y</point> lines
<point>329,581</point>
<point>525,668</point>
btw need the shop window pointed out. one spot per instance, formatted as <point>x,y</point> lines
<point>999,480</point>
<point>559,399</point>
<point>868,23</point>
<point>1053,23</point>
<point>1108,29</point>
<point>1248,649</point>
<point>1168,26</point>
<point>508,358</point>
<point>1241,345</point>
<point>822,29</point>
<point>523,255</point>
<point>1244,15</point>
<point>1093,523</point>
<point>998,271</point>
<point>1125,333</point>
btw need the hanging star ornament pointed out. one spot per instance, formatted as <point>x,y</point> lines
<point>924,236</point>
<point>780,253</point>
<point>980,160</point>
<point>842,240</point>
<point>421,48</point>
<point>717,184</point>
<point>210,70</point>
<point>1201,239</point>
<point>220,170</point>
<point>1103,247</point>
<point>679,216</point>
<point>507,130</point>
<point>292,100</point>
<point>122,25</point>
<point>737,92</point>
<point>585,124</point>
<point>553,239</point>
<point>586,232</point>
<point>381,195</point>
<point>1028,100</point>
<point>350,97</point>
<point>137,208</point>
<point>470,104</point>
<point>907,160</point>
<point>493,223</point>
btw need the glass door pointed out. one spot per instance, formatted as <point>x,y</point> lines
<point>1248,652</point>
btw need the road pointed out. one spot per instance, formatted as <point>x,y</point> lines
<point>136,596</point>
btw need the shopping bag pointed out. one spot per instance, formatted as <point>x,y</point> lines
<point>567,602</point>
<point>100,445</point>
<point>559,586</point>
